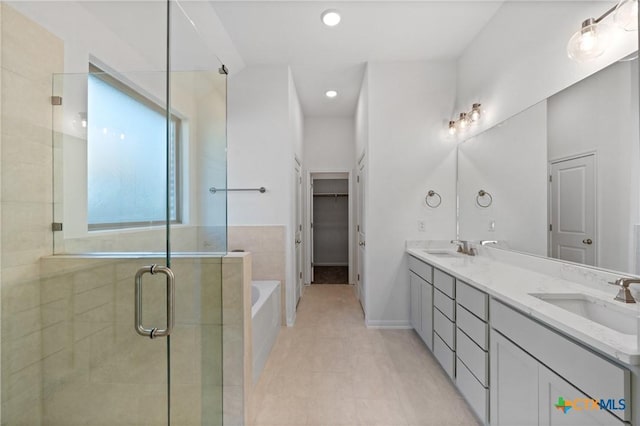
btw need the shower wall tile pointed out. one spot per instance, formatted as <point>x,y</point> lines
<point>28,48</point>
<point>267,247</point>
<point>183,239</point>
<point>237,361</point>
<point>94,355</point>
<point>29,57</point>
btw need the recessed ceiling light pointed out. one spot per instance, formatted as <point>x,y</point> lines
<point>331,93</point>
<point>331,17</point>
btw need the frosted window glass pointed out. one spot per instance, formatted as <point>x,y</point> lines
<point>126,159</point>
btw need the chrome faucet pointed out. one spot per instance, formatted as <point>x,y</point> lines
<point>464,247</point>
<point>624,294</point>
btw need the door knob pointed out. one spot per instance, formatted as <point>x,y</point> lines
<point>588,241</point>
<point>298,241</point>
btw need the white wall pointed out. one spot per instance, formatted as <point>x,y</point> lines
<point>600,114</point>
<point>258,152</point>
<point>329,143</point>
<point>520,59</point>
<point>510,162</point>
<point>408,154</point>
<point>264,127</point>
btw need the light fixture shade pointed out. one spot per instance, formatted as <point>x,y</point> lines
<point>626,15</point>
<point>452,127</point>
<point>475,113</point>
<point>589,42</point>
<point>463,121</point>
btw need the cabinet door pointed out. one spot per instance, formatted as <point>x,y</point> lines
<point>427,314</point>
<point>582,412</point>
<point>513,383</point>
<point>416,302</point>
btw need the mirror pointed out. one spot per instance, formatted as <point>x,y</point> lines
<point>562,178</point>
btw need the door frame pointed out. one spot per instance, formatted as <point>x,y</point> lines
<point>307,214</point>
<point>298,197</point>
<point>556,160</point>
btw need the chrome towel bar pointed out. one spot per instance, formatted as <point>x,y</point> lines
<point>261,190</point>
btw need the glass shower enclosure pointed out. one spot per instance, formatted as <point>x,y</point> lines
<point>123,322</point>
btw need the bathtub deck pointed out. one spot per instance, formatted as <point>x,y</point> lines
<point>329,369</point>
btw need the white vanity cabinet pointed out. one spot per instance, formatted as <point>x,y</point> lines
<point>421,294</point>
<point>525,390</point>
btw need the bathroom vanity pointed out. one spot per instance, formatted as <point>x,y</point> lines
<point>516,332</point>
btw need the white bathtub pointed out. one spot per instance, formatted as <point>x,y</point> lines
<point>265,321</point>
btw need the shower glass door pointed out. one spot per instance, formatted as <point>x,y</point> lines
<point>133,154</point>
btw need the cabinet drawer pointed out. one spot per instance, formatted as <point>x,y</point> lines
<point>476,301</point>
<point>473,326</point>
<point>422,269</point>
<point>445,328</point>
<point>444,355</point>
<point>445,304</point>
<point>427,314</point>
<point>444,282</point>
<point>476,395</point>
<point>561,354</point>
<point>472,355</point>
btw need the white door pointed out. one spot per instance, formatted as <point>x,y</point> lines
<point>573,210</point>
<point>362,241</point>
<point>311,228</point>
<point>298,233</point>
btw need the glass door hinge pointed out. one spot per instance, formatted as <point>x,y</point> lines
<point>56,100</point>
<point>56,226</point>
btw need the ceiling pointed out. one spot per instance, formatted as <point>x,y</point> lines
<point>322,58</point>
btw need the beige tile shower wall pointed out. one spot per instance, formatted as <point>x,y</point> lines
<point>183,239</point>
<point>237,364</point>
<point>267,246</point>
<point>29,57</point>
<point>96,370</point>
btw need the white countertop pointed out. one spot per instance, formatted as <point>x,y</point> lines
<point>512,284</point>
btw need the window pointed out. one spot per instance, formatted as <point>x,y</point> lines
<point>127,157</point>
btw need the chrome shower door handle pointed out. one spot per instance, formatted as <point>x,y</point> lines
<point>171,293</point>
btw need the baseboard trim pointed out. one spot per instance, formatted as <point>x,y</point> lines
<point>398,325</point>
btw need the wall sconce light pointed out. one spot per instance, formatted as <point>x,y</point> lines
<point>593,38</point>
<point>475,113</point>
<point>465,120</point>
<point>83,119</point>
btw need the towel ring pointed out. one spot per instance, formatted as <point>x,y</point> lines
<point>481,194</point>
<point>429,196</point>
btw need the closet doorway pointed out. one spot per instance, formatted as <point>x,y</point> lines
<point>330,219</point>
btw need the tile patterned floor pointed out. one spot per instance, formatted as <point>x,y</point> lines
<point>331,370</point>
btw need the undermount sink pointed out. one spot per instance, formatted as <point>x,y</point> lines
<point>609,314</point>
<point>442,252</point>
